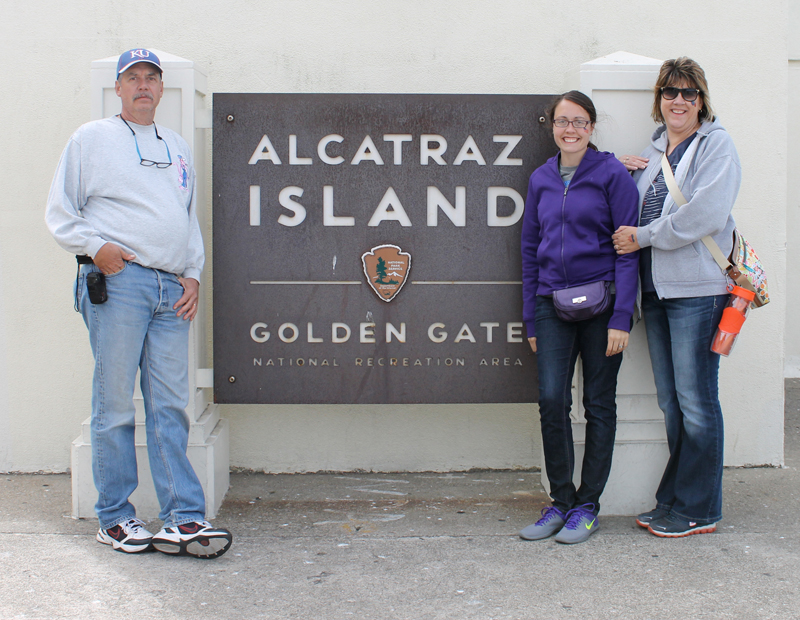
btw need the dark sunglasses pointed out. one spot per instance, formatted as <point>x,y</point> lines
<point>670,92</point>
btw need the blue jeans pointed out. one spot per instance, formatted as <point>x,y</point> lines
<point>137,329</point>
<point>558,345</point>
<point>679,335</point>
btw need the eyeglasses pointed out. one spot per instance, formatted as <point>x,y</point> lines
<point>149,162</point>
<point>577,123</point>
<point>670,92</point>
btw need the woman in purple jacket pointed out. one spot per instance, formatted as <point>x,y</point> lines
<point>575,203</point>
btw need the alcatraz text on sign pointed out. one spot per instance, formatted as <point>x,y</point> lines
<point>432,148</point>
<point>367,151</point>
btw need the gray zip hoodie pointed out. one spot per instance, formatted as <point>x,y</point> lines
<point>709,175</point>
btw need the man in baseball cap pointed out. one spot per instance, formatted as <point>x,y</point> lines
<point>124,201</point>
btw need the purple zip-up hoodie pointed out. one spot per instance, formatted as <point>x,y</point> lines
<point>566,234</point>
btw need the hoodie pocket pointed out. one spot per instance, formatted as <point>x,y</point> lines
<point>680,265</point>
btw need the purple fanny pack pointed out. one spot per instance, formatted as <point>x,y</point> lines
<point>579,303</point>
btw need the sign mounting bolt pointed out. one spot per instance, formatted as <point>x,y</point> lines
<point>231,379</point>
<point>230,118</point>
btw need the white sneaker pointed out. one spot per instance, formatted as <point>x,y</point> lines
<point>198,538</point>
<point>130,536</point>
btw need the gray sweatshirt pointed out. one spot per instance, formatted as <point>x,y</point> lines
<point>709,175</point>
<point>101,193</point>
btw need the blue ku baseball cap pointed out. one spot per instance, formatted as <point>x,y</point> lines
<point>131,57</point>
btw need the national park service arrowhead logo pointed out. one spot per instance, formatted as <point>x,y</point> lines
<point>386,268</point>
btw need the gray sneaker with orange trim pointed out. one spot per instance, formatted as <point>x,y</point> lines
<point>675,527</point>
<point>646,518</point>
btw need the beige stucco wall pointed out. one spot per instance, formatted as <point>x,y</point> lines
<point>508,46</point>
<point>792,367</point>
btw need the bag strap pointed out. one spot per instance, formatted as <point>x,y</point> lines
<point>677,196</point>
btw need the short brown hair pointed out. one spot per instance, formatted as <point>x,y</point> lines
<point>678,70</point>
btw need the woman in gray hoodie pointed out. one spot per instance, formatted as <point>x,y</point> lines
<point>684,291</point>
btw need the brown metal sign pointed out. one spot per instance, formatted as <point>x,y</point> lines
<point>320,204</point>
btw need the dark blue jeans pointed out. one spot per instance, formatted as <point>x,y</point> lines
<point>679,334</point>
<point>558,345</point>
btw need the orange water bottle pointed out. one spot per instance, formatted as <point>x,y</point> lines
<point>733,317</point>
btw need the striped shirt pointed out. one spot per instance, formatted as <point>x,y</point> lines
<point>652,205</point>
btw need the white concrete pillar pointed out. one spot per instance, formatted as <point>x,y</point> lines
<point>183,110</point>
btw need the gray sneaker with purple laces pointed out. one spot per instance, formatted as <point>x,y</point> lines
<point>551,522</point>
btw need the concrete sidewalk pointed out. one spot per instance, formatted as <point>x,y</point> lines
<point>410,546</point>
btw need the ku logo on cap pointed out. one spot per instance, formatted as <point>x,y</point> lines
<point>131,57</point>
